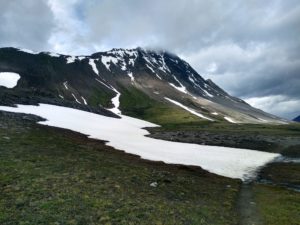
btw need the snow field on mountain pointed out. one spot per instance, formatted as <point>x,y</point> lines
<point>9,79</point>
<point>127,134</point>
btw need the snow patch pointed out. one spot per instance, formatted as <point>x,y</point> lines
<point>52,54</point>
<point>106,85</point>
<point>164,66</point>
<point>84,101</point>
<point>214,113</point>
<point>207,93</point>
<point>107,60</point>
<point>71,59</point>
<point>181,88</point>
<point>9,79</point>
<point>131,76</point>
<point>76,99</point>
<point>229,119</point>
<point>188,109</point>
<point>94,66</point>
<point>115,100</point>
<point>66,85</point>
<point>127,134</point>
<point>28,51</point>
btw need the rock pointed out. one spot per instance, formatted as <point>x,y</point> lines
<point>153,184</point>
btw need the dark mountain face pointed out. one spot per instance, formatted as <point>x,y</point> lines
<point>297,119</point>
<point>135,81</point>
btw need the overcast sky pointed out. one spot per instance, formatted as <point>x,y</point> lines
<point>249,48</point>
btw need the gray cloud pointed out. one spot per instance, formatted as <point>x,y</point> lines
<point>25,24</point>
<point>250,48</point>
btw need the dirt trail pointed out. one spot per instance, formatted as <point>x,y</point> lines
<point>246,206</point>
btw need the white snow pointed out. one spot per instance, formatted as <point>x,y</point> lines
<point>62,97</point>
<point>81,57</point>
<point>150,68</point>
<point>107,60</point>
<point>71,59</point>
<point>9,79</point>
<point>229,119</point>
<point>115,100</point>
<point>106,85</point>
<point>52,54</point>
<point>127,134</point>
<point>181,88</point>
<point>207,93</point>
<point>76,99</point>
<point>131,76</point>
<point>132,56</point>
<point>188,109</point>
<point>28,51</point>
<point>164,66</point>
<point>93,65</point>
<point>66,85</point>
<point>84,101</point>
<point>214,113</point>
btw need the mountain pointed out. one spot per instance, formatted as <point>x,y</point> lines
<point>297,119</point>
<point>147,84</point>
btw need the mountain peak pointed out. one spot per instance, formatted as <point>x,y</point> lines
<point>162,76</point>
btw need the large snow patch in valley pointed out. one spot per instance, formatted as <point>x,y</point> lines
<point>9,79</point>
<point>127,134</point>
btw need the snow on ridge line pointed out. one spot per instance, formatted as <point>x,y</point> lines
<point>28,51</point>
<point>127,134</point>
<point>9,79</point>
<point>71,59</point>
<point>188,109</point>
<point>107,60</point>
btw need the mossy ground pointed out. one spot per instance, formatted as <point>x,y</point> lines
<point>277,205</point>
<point>135,103</point>
<point>54,176</point>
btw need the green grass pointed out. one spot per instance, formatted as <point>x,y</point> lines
<point>278,206</point>
<point>100,97</point>
<point>224,127</point>
<point>53,176</point>
<point>135,103</point>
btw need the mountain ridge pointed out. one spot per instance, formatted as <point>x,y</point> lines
<point>103,79</point>
<point>297,119</point>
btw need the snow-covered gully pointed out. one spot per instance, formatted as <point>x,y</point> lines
<point>127,134</point>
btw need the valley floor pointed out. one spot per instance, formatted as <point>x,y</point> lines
<point>54,176</point>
